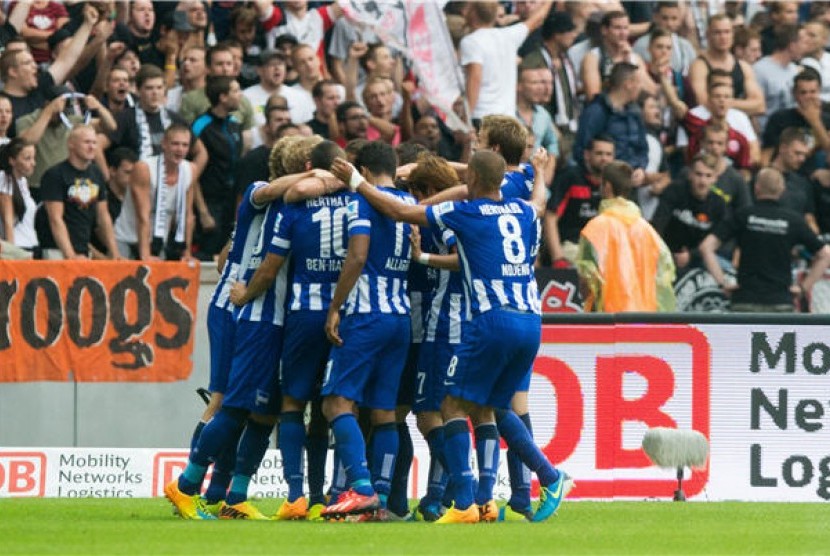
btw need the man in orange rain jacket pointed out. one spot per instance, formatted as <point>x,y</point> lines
<point>623,263</point>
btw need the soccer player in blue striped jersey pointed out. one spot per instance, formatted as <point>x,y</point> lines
<point>372,340</point>
<point>242,396</point>
<point>313,233</point>
<point>507,136</point>
<point>501,336</point>
<point>442,328</point>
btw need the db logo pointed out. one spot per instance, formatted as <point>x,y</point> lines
<point>611,384</point>
<point>166,467</point>
<point>22,474</point>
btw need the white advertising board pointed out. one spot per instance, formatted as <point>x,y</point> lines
<point>760,393</point>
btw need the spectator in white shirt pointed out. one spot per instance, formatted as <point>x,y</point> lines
<point>488,56</point>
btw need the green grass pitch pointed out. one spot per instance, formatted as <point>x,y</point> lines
<point>147,526</point>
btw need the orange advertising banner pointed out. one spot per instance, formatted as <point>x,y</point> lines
<point>97,321</point>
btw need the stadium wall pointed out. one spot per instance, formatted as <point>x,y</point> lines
<point>757,387</point>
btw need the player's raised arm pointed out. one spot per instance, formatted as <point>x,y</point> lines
<point>539,160</point>
<point>385,204</point>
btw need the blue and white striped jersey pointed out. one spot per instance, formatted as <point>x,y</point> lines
<point>314,232</point>
<point>518,184</point>
<point>254,232</point>
<point>422,281</point>
<point>497,244</point>
<point>381,287</point>
<point>245,216</point>
<point>443,324</point>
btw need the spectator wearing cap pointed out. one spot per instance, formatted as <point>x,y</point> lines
<point>191,76</point>
<point>488,56</point>
<point>306,63</point>
<point>558,34</point>
<point>49,127</point>
<point>220,63</point>
<point>809,115</point>
<point>326,100</point>
<point>816,36</point>
<point>286,44</point>
<point>28,88</point>
<point>775,72</point>
<point>271,72</point>
<point>612,49</point>
<point>616,114</point>
<point>747,95</point>
<point>668,16</point>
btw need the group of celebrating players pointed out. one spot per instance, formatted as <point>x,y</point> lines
<point>364,301</point>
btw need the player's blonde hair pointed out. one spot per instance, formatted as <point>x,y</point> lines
<point>298,153</point>
<point>275,167</point>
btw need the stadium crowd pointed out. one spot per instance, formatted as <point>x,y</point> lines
<point>150,130</point>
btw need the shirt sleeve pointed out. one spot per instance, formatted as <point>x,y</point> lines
<point>359,217</point>
<point>283,224</point>
<point>440,216</point>
<point>469,53</point>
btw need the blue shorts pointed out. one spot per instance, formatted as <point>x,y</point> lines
<point>253,383</point>
<point>524,385</point>
<point>304,354</point>
<point>497,349</point>
<point>221,327</point>
<point>406,391</point>
<point>367,368</point>
<point>432,370</point>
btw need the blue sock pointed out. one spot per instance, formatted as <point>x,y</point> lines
<point>487,455</point>
<point>252,447</point>
<point>338,480</point>
<point>385,444</point>
<point>351,447</point>
<point>457,452</point>
<point>217,435</point>
<point>196,433</point>
<point>220,478</point>
<point>292,442</point>
<point>317,450</point>
<point>518,438</point>
<point>398,500</point>
<point>519,474</point>
<point>437,479</point>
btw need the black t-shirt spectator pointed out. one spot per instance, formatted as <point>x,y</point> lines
<point>79,191</point>
<point>791,117</point>
<point>729,186</point>
<point>143,46</point>
<point>37,98</point>
<point>821,200</point>
<point>766,233</point>
<point>798,195</point>
<point>684,220</point>
<point>253,167</point>
<point>575,200</point>
<point>222,137</point>
<point>319,128</point>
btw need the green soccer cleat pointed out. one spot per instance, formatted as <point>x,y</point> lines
<point>549,499</point>
<point>507,513</point>
<point>189,506</point>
